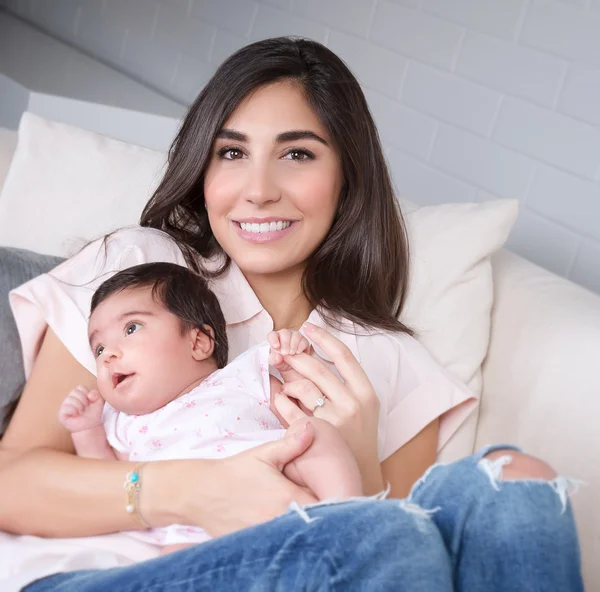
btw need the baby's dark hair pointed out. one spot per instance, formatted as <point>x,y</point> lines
<point>182,292</point>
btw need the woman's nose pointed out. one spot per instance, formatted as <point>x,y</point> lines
<point>261,186</point>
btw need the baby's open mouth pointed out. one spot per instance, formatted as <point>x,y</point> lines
<point>118,378</point>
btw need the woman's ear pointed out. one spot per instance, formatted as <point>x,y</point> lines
<point>202,345</point>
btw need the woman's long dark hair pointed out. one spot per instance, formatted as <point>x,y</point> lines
<point>360,270</point>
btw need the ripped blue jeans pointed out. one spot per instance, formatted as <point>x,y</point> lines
<point>462,528</point>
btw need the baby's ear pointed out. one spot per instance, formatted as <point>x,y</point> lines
<point>202,345</point>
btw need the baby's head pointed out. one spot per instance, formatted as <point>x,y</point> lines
<point>156,330</point>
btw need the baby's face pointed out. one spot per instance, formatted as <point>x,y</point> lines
<point>143,360</point>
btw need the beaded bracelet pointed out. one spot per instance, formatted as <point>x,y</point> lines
<point>133,488</point>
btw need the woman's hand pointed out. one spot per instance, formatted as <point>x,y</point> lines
<point>352,405</point>
<point>226,495</point>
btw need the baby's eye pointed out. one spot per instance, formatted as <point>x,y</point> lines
<point>132,328</point>
<point>99,351</point>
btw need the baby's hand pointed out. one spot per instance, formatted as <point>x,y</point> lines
<point>81,410</point>
<point>283,343</point>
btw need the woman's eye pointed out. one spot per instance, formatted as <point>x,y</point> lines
<point>299,155</point>
<point>231,154</point>
<point>99,350</point>
<point>132,328</point>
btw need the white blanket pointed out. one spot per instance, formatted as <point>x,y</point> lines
<point>24,559</point>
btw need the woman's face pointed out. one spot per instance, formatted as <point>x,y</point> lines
<point>273,182</point>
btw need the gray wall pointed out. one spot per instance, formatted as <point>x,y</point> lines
<point>475,99</point>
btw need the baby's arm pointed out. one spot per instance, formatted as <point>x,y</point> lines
<point>328,468</point>
<point>81,414</point>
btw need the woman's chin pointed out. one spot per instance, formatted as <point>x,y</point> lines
<point>265,265</point>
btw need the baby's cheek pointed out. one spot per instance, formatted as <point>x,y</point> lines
<point>101,382</point>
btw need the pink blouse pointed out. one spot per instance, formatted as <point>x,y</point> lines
<point>413,389</point>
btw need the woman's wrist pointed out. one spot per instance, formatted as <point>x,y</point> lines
<point>160,502</point>
<point>372,476</point>
<point>169,488</point>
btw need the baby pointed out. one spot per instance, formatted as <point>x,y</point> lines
<point>165,390</point>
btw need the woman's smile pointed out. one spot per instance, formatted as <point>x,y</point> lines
<point>264,230</point>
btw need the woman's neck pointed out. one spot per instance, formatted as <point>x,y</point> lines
<point>281,296</point>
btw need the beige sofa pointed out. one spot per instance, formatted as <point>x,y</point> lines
<point>541,379</point>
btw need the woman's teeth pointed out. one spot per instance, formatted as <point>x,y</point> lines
<point>265,226</point>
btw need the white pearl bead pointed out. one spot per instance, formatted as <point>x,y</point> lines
<point>129,509</point>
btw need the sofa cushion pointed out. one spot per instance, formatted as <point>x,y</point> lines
<point>67,186</point>
<point>85,184</point>
<point>16,267</point>
<point>451,290</point>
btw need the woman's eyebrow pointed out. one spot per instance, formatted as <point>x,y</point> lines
<point>229,134</point>
<point>291,136</point>
<point>294,135</point>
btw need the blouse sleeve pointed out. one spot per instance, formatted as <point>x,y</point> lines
<point>61,298</point>
<point>418,389</point>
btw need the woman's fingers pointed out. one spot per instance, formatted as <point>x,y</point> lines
<point>343,359</point>
<point>281,452</point>
<point>303,391</point>
<point>317,372</point>
<point>287,409</point>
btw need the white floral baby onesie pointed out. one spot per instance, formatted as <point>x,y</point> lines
<point>226,414</point>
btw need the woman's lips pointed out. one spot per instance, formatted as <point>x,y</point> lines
<point>262,237</point>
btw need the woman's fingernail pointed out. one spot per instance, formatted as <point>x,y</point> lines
<point>308,327</point>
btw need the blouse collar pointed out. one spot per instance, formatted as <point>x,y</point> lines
<point>240,304</point>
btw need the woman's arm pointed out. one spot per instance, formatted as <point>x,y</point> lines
<point>404,467</point>
<point>47,491</point>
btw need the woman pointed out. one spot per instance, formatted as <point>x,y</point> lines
<point>277,184</point>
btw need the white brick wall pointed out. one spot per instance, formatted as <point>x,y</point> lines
<point>474,99</point>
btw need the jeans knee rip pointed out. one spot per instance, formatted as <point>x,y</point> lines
<point>562,486</point>
<point>418,512</point>
<point>302,510</point>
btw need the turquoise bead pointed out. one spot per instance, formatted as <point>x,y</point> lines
<point>134,478</point>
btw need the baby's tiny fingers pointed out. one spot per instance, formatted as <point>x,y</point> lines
<point>69,411</point>
<point>77,391</point>
<point>93,395</point>
<point>284,338</point>
<point>298,343</point>
<point>275,359</point>
<point>273,339</point>
<point>77,402</point>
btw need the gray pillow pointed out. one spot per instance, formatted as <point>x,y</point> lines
<point>16,267</point>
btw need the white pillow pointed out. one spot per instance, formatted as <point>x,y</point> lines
<point>67,183</point>
<point>450,299</point>
<point>66,186</point>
